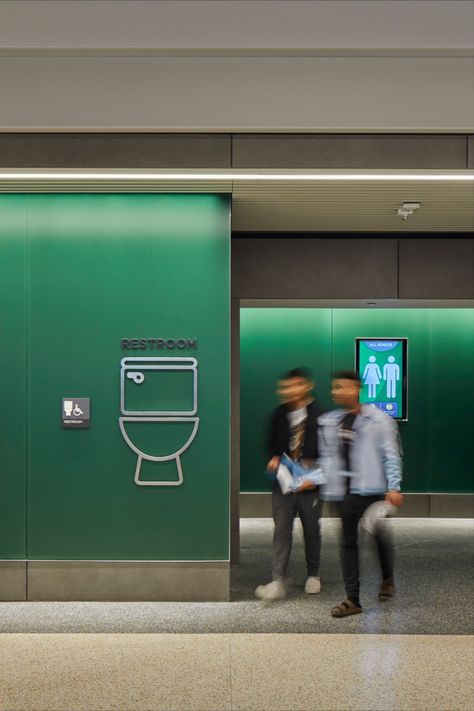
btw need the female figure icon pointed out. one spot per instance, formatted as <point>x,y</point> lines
<point>372,376</point>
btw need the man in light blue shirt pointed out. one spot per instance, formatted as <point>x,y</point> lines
<point>360,454</point>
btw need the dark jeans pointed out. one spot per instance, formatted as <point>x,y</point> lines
<point>351,511</point>
<point>285,507</point>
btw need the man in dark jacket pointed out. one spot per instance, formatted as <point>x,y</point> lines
<point>293,432</point>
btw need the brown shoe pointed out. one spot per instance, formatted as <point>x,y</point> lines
<point>387,590</point>
<point>346,608</point>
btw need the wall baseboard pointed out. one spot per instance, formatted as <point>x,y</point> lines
<point>70,580</point>
<point>259,505</point>
<point>13,583</point>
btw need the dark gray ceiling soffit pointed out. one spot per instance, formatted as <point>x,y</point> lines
<point>225,150</point>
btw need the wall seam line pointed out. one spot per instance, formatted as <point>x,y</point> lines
<point>398,268</point>
<point>27,386</point>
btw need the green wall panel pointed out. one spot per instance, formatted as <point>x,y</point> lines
<point>440,382</point>
<point>272,342</point>
<point>103,268</point>
<point>13,256</point>
<point>450,400</point>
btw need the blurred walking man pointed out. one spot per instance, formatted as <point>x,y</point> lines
<point>293,431</point>
<point>360,453</point>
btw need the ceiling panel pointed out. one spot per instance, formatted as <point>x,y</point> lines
<point>280,205</point>
<point>307,206</point>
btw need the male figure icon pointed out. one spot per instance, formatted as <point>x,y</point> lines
<point>391,374</point>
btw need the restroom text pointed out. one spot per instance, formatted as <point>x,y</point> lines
<point>157,344</point>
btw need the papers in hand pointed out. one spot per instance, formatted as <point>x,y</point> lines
<point>375,514</point>
<point>292,476</point>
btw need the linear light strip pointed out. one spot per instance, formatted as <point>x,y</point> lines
<point>233,176</point>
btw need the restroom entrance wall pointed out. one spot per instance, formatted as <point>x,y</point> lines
<point>78,274</point>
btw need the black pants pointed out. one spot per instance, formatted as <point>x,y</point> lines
<point>351,511</point>
<point>285,507</point>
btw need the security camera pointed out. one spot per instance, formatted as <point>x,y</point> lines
<point>404,214</point>
<point>407,209</point>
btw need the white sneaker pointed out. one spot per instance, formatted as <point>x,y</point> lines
<point>313,586</point>
<point>272,591</point>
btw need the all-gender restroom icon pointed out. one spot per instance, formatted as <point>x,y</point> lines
<point>159,403</point>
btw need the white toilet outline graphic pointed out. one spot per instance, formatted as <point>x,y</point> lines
<point>133,369</point>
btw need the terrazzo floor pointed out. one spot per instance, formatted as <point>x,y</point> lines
<point>415,653</point>
<point>241,672</point>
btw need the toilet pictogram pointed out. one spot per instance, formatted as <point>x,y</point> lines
<point>159,403</point>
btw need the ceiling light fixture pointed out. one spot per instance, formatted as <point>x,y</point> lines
<point>146,175</point>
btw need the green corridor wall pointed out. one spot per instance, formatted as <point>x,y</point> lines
<point>438,436</point>
<point>78,273</point>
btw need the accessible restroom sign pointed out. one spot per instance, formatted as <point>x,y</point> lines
<point>382,367</point>
<point>76,412</point>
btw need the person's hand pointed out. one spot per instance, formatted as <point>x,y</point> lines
<point>273,464</point>
<point>394,497</point>
<point>307,486</point>
<point>308,463</point>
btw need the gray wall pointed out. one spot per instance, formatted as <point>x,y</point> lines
<point>239,65</point>
<point>229,93</point>
<point>225,150</point>
<point>209,25</point>
<point>254,65</point>
<point>335,267</point>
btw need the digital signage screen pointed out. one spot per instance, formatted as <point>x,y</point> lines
<point>382,367</point>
